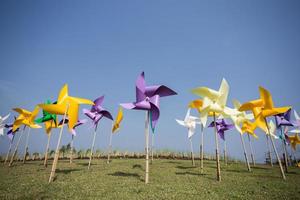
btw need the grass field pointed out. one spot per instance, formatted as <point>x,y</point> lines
<point>124,179</point>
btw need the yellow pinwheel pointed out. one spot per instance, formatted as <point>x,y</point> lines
<point>66,104</point>
<point>25,118</point>
<point>263,108</point>
<point>118,120</point>
<point>115,128</point>
<point>294,141</point>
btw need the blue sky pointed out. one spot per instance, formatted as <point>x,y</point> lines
<point>100,47</point>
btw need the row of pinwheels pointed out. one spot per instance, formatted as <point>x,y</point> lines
<point>67,106</point>
<point>147,99</point>
<point>214,105</point>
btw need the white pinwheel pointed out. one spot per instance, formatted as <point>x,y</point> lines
<point>213,101</point>
<point>190,122</point>
<point>2,125</point>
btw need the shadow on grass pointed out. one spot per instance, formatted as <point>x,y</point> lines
<point>67,171</point>
<point>137,166</point>
<point>123,174</point>
<point>238,171</point>
<point>85,164</point>
<point>185,167</point>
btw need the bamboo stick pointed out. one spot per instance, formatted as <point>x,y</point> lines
<point>92,148</point>
<point>284,152</point>
<point>192,152</point>
<point>26,146</point>
<point>8,152</point>
<point>252,153</point>
<point>269,149</point>
<point>217,150</point>
<point>54,164</point>
<point>276,153</point>
<point>147,147</point>
<point>225,152</point>
<point>245,153</point>
<point>110,146</point>
<point>16,148</point>
<point>201,149</point>
<point>47,151</point>
<point>72,144</point>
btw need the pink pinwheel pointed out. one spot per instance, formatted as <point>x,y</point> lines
<point>147,98</point>
<point>221,126</point>
<point>95,114</point>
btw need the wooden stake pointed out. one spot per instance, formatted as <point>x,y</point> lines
<point>26,146</point>
<point>192,152</point>
<point>284,152</point>
<point>252,154</point>
<point>276,153</point>
<point>217,150</point>
<point>8,152</point>
<point>152,146</point>
<point>72,144</point>
<point>92,148</point>
<point>16,148</point>
<point>109,147</point>
<point>201,149</point>
<point>269,149</point>
<point>54,164</point>
<point>245,153</point>
<point>147,147</point>
<point>47,151</point>
<point>225,152</point>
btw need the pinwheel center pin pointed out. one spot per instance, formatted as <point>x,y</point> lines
<point>147,99</point>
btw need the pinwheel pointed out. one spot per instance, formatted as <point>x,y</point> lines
<point>95,114</point>
<point>27,119</point>
<point>115,129</point>
<point>239,118</point>
<point>197,104</point>
<point>296,123</point>
<point>190,123</point>
<point>222,126</point>
<point>73,133</point>
<point>263,108</point>
<point>2,125</point>
<point>283,119</point>
<point>68,107</point>
<point>147,98</point>
<point>248,127</point>
<point>50,121</point>
<point>213,101</point>
<point>10,135</point>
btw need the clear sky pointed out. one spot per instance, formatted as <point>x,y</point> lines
<point>100,47</point>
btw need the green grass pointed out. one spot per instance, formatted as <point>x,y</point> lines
<point>124,179</point>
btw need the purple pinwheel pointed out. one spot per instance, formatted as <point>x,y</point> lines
<point>147,98</point>
<point>95,114</point>
<point>79,122</point>
<point>221,126</point>
<point>97,111</point>
<point>283,119</point>
<point>10,133</point>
